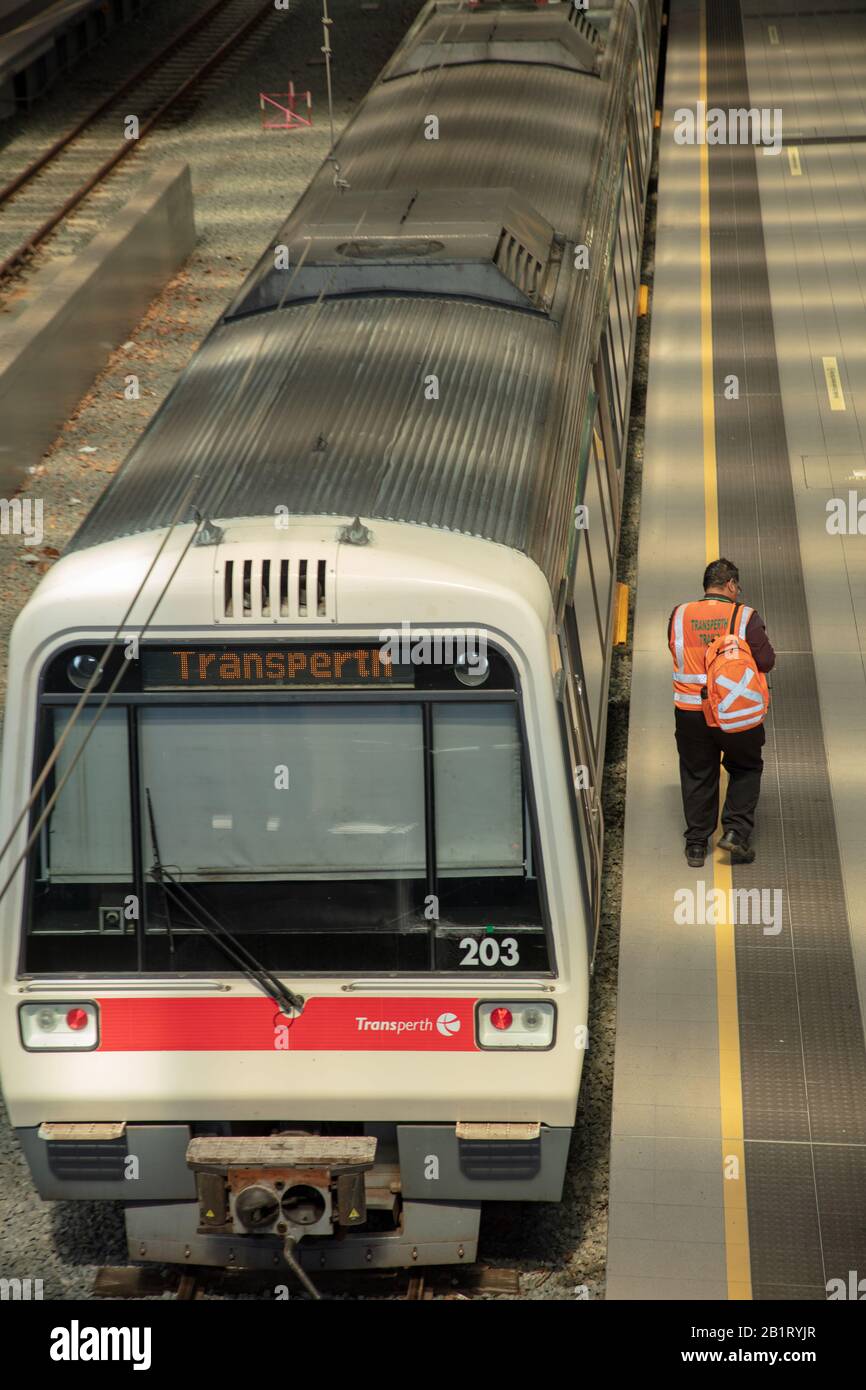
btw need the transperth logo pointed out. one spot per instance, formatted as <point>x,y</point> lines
<point>393,1025</point>
<point>447,1024</point>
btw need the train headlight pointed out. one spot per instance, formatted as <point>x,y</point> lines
<point>472,670</point>
<point>59,1027</point>
<point>81,670</point>
<point>516,1025</point>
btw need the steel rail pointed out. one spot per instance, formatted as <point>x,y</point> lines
<point>66,139</point>
<point>126,148</point>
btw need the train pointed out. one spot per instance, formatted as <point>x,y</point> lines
<point>305,730</point>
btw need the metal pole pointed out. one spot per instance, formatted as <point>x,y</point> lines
<point>339,182</point>
<point>326,49</point>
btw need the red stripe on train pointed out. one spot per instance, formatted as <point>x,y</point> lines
<point>256,1025</point>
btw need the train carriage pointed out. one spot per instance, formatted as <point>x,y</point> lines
<point>302,943</point>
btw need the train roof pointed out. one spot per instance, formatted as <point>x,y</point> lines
<point>443,259</point>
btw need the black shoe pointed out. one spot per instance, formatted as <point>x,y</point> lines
<point>740,849</point>
<point>696,853</point>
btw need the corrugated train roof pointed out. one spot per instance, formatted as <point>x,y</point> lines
<point>495,453</point>
<point>501,125</point>
<point>322,409</point>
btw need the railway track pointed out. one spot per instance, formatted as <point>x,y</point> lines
<point>149,1281</point>
<point>43,195</point>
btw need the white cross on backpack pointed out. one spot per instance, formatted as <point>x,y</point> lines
<point>737,694</point>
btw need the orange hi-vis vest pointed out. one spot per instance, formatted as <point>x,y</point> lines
<point>694,627</point>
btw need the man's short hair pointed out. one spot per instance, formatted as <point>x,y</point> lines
<point>718,573</point>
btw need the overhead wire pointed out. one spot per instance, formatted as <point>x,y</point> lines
<point>94,680</point>
<point>307,333</point>
<point>115,682</point>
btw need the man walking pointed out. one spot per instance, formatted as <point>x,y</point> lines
<point>693,626</point>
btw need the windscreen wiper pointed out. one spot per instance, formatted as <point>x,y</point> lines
<point>229,944</point>
<point>157,873</point>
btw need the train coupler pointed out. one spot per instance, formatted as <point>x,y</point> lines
<point>287,1185</point>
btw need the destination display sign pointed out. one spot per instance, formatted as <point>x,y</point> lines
<point>219,667</point>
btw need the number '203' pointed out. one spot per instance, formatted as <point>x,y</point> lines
<point>489,952</point>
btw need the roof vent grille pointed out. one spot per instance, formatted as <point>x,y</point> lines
<point>271,589</point>
<point>519,265</point>
<point>412,240</point>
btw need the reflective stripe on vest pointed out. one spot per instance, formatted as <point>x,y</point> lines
<point>678,636</point>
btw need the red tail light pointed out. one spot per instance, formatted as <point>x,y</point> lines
<point>517,1025</point>
<point>56,1025</point>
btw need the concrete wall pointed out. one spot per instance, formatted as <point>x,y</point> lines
<point>53,349</point>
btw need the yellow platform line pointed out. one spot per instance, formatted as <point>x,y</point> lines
<point>737,1259</point>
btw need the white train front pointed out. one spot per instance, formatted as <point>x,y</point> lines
<point>303,946</point>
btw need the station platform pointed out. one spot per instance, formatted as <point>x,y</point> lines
<point>738,1152</point>
<point>41,39</point>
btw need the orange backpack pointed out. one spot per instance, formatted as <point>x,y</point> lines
<point>737,694</point>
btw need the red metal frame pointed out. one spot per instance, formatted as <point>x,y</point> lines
<point>287,106</point>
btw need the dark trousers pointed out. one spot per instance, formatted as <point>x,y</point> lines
<point>700,748</point>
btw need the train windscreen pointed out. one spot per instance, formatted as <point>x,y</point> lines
<point>375,835</point>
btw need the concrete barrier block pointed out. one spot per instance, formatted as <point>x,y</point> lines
<point>53,349</point>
